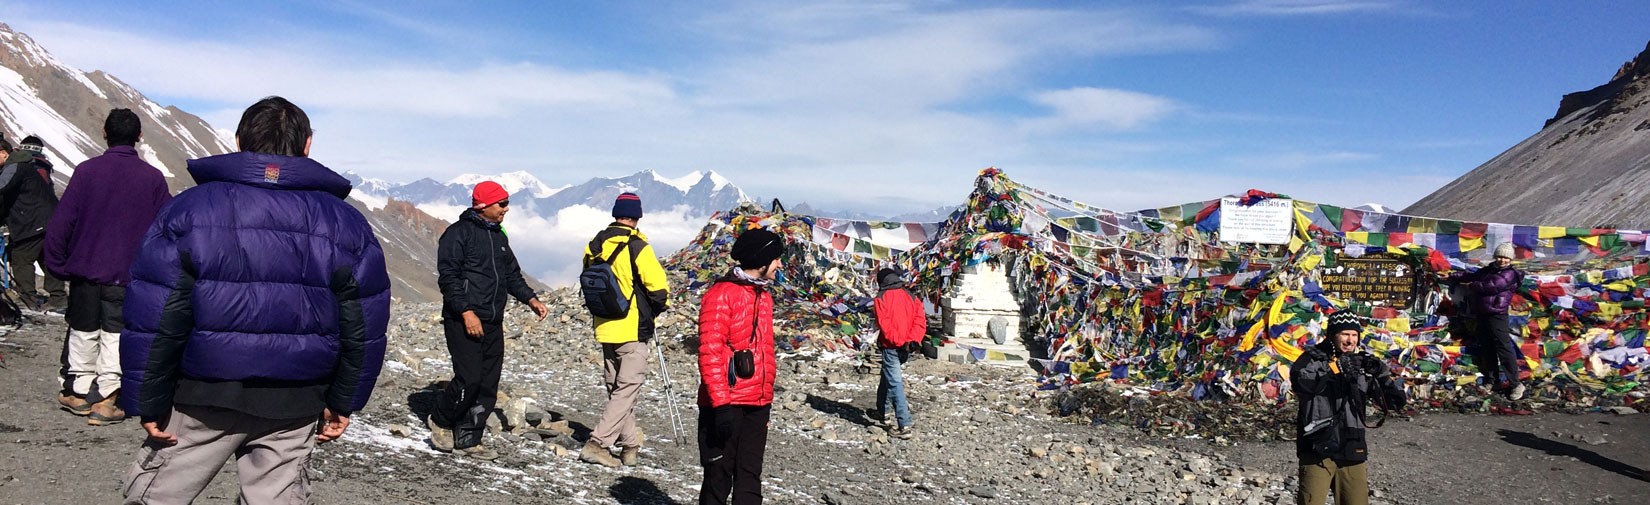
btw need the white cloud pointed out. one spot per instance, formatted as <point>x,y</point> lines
<point>314,75</point>
<point>1298,160</point>
<point>1086,106</point>
<point>1297,7</point>
<point>552,248</point>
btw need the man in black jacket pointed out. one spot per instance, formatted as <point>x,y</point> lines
<point>477,271</point>
<point>1334,381</point>
<point>29,199</point>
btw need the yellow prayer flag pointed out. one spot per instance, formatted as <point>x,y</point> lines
<point>1361,237</point>
<point>1551,232</point>
<point>1471,244</point>
<point>1398,325</point>
<point>1285,349</point>
<point>1250,336</point>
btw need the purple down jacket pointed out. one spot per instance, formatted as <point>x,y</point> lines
<point>261,272</point>
<point>1492,288</point>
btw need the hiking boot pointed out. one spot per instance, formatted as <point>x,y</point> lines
<point>441,439</point>
<point>878,419</point>
<point>1517,393</point>
<point>630,456</point>
<point>105,413</point>
<point>480,452</point>
<point>597,454</point>
<point>902,433</point>
<point>74,404</point>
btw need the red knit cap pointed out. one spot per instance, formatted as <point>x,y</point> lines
<point>488,193</point>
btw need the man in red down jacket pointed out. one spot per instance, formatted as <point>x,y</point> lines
<point>903,325</point>
<point>736,317</point>
<point>255,320</point>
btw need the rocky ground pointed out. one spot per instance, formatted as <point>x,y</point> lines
<point>984,436</point>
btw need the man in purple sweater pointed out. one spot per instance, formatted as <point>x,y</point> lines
<point>90,242</point>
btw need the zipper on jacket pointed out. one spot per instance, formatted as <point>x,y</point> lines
<point>498,308</point>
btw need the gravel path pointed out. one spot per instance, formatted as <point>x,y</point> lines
<point>983,437</point>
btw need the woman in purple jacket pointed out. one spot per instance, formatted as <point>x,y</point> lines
<point>1492,290</point>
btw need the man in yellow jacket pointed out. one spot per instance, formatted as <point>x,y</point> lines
<point>624,341</point>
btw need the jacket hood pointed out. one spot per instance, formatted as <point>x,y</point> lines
<point>269,171</point>
<point>473,216</point>
<point>736,276</point>
<point>24,156</point>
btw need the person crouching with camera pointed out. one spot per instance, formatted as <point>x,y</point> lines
<point>736,371</point>
<point>1333,382</point>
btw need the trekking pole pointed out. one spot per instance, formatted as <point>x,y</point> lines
<point>676,424</point>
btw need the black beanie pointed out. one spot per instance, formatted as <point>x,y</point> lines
<point>757,248</point>
<point>1344,320</point>
<point>890,278</point>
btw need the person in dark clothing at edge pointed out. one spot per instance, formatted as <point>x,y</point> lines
<point>1492,290</point>
<point>255,319</point>
<point>27,198</point>
<point>90,241</point>
<point>736,318</point>
<point>903,324</point>
<point>477,273</point>
<point>1334,380</point>
<point>624,340</point>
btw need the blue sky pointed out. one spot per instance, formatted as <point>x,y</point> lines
<point>883,106</point>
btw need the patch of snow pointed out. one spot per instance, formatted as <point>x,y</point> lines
<point>25,114</point>
<point>148,154</point>
<point>721,182</point>
<point>1375,207</point>
<point>683,183</point>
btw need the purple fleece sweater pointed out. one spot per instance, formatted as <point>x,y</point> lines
<point>100,221</point>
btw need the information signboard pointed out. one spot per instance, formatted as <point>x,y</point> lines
<point>1269,221</point>
<point>1385,281</point>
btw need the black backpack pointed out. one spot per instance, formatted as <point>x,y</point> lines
<point>600,287</point>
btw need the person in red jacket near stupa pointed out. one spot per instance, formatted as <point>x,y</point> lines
<point>736,371</point>
<point>903,324</point>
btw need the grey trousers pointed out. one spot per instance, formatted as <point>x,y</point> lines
<point>271,457</point>
<point>624,369</point>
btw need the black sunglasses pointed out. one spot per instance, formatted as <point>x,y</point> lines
<point>503,204</point>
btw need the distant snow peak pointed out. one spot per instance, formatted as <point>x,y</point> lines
<point>718,180</point>
<point>513,182</point>
<point>683,183</point>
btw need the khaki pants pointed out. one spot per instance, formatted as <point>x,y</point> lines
<point>624,370</point>
<point>271,457</point>
<point>1350,482</point>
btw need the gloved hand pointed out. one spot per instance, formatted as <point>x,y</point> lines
<point>1372,365</point>
<point>724,422</point>
<point>1349,363</point>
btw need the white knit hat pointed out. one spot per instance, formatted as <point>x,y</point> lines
<point>1505,250</point>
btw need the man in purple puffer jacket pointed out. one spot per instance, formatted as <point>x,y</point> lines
<point>256,312</point>
<point>1493,288</point>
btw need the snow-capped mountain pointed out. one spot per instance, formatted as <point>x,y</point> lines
<point>548,225</point>
<point>696,194</point>
<point>65,107</point>
<point>40,95</point>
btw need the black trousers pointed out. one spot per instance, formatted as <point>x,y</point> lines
<point>23,256</point>
<point>1498,353</point>
<point>731,446</point>
<point>468,399</point>
<point>92,307</point>
<point>95,307</point>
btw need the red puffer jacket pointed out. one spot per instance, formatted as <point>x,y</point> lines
<point>725,324</point>
<point>900,317</point>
